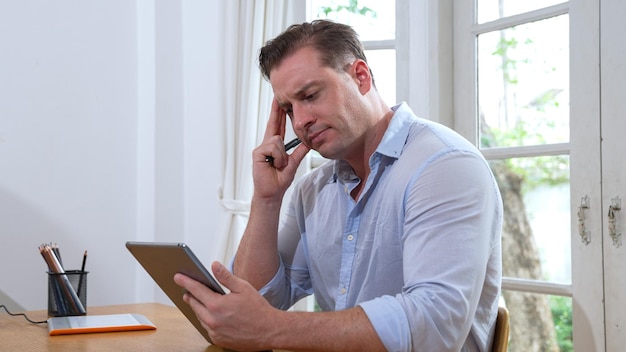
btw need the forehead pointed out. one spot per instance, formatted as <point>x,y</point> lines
<point>297,71</point>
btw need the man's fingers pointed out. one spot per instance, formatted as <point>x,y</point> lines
<point>299,153</point>
<point>226,278</point>
<point>195,288</point>
<point>276,122</point>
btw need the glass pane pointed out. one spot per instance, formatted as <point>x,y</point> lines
<point>384,73</point>
<point>536,242</point>
<point>490,10</point>
<point>372,19</point>
<point>539,322</point>
<point>523,84</point>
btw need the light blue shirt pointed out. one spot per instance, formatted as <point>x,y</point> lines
<point>419,250</point>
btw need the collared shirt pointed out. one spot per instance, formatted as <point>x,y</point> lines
<point>419,250</point>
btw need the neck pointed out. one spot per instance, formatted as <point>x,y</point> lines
<point>371,140</point>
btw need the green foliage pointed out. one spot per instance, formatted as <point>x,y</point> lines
<point>509,65</point>
<point>544,170</point>
<point>562,316</point>
<point>528,124</point>
<point>351,7</point>
<point>535,171</point>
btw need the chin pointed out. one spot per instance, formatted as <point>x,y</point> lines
<point>331,151</point>
<point>330,155</point>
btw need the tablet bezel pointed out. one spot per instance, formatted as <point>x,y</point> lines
<point>162,260</point>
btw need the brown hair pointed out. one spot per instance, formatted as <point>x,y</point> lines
<point>337,44</point>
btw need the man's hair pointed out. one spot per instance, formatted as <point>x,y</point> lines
<point>338,44</point>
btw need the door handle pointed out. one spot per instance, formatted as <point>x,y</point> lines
<point>585,235</point>
<point>616,205</point>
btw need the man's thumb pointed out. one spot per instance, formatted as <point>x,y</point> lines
<point>225,277</point>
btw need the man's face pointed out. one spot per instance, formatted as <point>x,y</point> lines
<point>325,105</point>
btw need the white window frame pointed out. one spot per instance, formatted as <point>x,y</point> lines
<point>424,58</point>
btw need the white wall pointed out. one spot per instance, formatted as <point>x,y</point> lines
<point>110,130</point>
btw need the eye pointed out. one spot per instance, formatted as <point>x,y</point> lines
<point>289,112</point>
<point>310,97</point>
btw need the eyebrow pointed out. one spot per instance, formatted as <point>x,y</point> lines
<point>300,92</point>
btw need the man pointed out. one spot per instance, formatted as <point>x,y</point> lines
<point>398,237</point>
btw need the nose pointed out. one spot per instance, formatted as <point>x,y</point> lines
<point>301,117</point>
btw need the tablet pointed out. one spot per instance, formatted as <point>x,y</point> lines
<point>162,261</point>
<point>98,323</point>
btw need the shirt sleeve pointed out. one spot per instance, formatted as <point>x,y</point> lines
<point>292,279</point>
<point>390,322</point>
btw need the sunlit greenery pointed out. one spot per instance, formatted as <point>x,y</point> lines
<point>535,171</point>
<point>351,6</point>
<point>529,124</point>
<point>562,316</point>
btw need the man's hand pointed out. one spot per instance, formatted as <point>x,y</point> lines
<point>241,319</point>
<point>271,179</point>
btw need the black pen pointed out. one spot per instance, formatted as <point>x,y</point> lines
<point>82,273</point>
<point>290,145</point>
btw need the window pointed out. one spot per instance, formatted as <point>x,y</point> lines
<point>533,90</point>
<point>375,22</point>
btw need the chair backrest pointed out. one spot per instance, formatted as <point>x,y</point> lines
<point>501,335</point>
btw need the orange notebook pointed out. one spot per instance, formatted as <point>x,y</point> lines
<point>98,323</point>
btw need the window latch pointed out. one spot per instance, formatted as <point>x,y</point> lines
<point>616,205</point>
<point>585,235</point>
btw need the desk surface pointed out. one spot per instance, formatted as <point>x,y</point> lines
<point>174,333</point>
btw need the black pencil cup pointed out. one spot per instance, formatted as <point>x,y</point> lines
<point>67,293</point>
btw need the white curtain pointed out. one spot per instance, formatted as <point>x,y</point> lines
<point>250,23</point>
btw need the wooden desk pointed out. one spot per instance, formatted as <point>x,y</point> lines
<point>174,333</point>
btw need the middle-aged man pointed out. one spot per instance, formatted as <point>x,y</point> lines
<point>398,236</point>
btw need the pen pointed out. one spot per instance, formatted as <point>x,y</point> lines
<point>290,145</point>
<point>82,273</point>
<point>82,267</point>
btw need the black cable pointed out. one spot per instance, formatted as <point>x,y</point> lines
<point>16,314</point>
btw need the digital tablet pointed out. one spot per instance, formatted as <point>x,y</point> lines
<point>162,261</point>
<point>98,323</point>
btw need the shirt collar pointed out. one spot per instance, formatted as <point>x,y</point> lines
<point>397,132</point>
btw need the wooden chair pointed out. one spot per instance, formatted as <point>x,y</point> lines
<point>501,335</point>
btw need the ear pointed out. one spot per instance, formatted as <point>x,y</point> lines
<point>362,76</point>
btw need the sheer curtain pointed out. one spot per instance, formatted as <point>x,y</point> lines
<point>249,25</point>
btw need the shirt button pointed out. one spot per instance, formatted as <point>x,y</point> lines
<point>350,237</point>
<point>343,291</point>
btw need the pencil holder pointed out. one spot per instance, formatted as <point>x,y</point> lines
<point>67,293</point>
